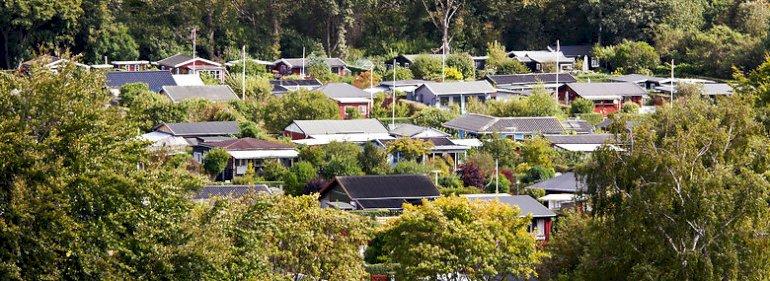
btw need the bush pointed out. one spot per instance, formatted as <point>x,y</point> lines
<point>581,106</point>
<point>451,73</point>
<point>512,66</point>
<point>462,63</point>
<point>451,181</point>
<point>273,170</point>
<point>402,73</point>
<point>432,117</point>
<point>215,161</point>
<point>426,67</point>
<point>630,107</point>
<point>503,185</point>
<point>471,175</point>
<point>458,191</point>
<point>629,57</point>
<point>298,176</point>
<point>409,167</point>
<point>250,129</point>
<point>538,174</point>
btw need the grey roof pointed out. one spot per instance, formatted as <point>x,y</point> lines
<point>229,191</point>
<point>526,204</point>
<point>622,89</point>
<point>206,92</point>
<point>575,51</point>
<point>478,123</point>
<point>564,183</point>
<point>342,90</point>
<point>410,82</point>
<point>172,61</point>
<point>530,79</point>
<point>577,125</point>
<point>635,78</point>
<point>216,128</point>
<point>459,87</point>
<point>543,56</point>
<point>408,130</point>
<point>299,62</point>
<point>385,192</point>
<point>154,79</point>
<point>297,83</point>
<point>717,89</point>
<point>325,127</point>
<point>579,139</point>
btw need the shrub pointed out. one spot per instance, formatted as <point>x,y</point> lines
<point>581,106</point>
<point>215,161</point>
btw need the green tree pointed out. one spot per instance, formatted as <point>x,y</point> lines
<point>630,107</point>
<point>298,105</point>
<point>373,160</point>
<point>298,176</point>
<point>340,159</point>
<point>451,73</point>
<point>402,73</point>
<point>409,149</point>
<point>409,167</point>
<point>541,103</point>
<point>352,113</point>
<point>462,63</point>
<point>441,238</point>
<point>426,67</point>
<point>318,69</point>
<point>250,129</point>
<point>252,68</point>
<point>629,57</point>
<point>215,161</point>
<point>432,117</point>
<point>257,87</point>
<point>502,149</point>
<point>581,106</point>
<point>537,151</point>
<point>274,170</point>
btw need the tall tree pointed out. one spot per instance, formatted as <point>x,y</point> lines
<point>441,13</point>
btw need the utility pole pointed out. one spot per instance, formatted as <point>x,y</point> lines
<point>556,91</point>
<point>393,102</point>
<point>302,73</point>
<point>194,36</point>
<point>243,73</point>
<point>672,81</point>
<point>443,63</point>
<point>371,94</point>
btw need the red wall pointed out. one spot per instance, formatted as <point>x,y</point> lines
<point>294,136</point>
<point>341,107</point>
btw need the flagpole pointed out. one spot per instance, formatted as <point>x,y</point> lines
<point>393,102</point>
<point>243,73</point>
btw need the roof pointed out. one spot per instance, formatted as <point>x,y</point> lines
<point>328,127</point>
<point>526,204</point>
<point>544,56</point>
<point>579,139</point>
<point>297,83</point>
<point>339,91</point>
<point>180,59</point>
<point>566,182</point>
<point>717,89</point>
<point>409,130</point>
<point>636,78</point>
<point>249,144</point>
<point>215,128</point>
<point>412,57</point>
<point>154,79</point>
<point>607,90</point>
<point>478,123</point>
<point>531,78</point>
<point>229,191</point>
<point>188,80</point>
<point>573,51</point>
<point>578,125</point>
<point>206,92</point>
<point>402,83</point>
<point>385,192</point>
<point>300,62</point>
<point>459,87</point>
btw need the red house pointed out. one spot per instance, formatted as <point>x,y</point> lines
<point>299,66</point>
<point>182,64</point>
<point>348,97</point>
<point>607,97</point>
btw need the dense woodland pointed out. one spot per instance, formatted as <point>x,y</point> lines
<point>701,33</point>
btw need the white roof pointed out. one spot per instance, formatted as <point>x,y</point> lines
<point>467,142</point>
<point>352,100</point>
<point>559,197</point>
<point>261,154</point>
<point>124,62</point>
<point>160,139</point>
<point>188,80</point>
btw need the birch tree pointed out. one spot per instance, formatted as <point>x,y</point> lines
<point>441,13</point>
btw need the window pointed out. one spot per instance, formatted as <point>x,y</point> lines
<point>444,101</point>
<point>594,62</point>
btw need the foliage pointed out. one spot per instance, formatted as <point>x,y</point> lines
<point>463,63</point>
<point>362,81</point>
<point>249,177</point>
<point>273,170</point>
<point>538,174</point>
<point>250,129</point>
<point>252,68</point>
<point>409,149</point>
<point>257,87</point>
<point>450,182</point>
<point>502,149</point>
<point>340,159</point>
<point>503,185</point>
<point>409,167</point>
<point>512,66</point>
<point>630,107</point>
<point>438,239</point>
<point>581,106</point>
<point>352,113</point>
<point>432,117</point>
<point>298,176</point>
<point>629,57</point>
<point>537,151</point>
<point>592,118</point>
<point>426,67</point>
<point>457,191</point>
<point>471,175</point>
<point>373,160</point>
<point>215,161</point>
<point>402,73</point>
<point>451,73</point>
<point>318,69</point>
<point>298,105</point>
<point>148,109</point>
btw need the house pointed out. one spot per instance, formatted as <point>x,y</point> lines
<point>348,97</point>
<point>414,131</point>
<point>298,66</point>
<point>214,93</point>
<point>542,217</point>
<point>377,192</point>
<point>183,64</point>
<point>562,191</point>
<point>50,62</point>
<point>441,147</point>
<point>480,62</point>
<point>131,65</point>
<point>579,52</point>
<point>608,97</point>
<point>644,81</point>
<point>406,60</point>
<point>445,94</point>
<point>155,79</point>
<point>518,128</point>
<point>266,64</point>
<point>539,61</point>
<point>405,86</point>
<point>523,84</point>
<point>188,80</point>
<point>246,151</point>
<point>711,90</point>
<point>580,143</point>
<point>577,126</point>
<point>195,132</point>
<point>228,191</point>
<point>314,132</point>
<point>281,86</point>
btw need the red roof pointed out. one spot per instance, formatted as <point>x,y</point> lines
<point>249,144</point>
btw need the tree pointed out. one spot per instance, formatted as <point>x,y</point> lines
<point>471,175</point>
<point>362,81</point>
<point>581,106</point>
<point>502,149</point>
<point>373,160</point>
<point>432,117</point>
<point>451,73</point>
<point>441,13</point>
<point>298,105</point>
<point>318,69</point>
<point>340,159</point>
<point>685,191</point>
<point>537,151</point>
<point>402,73</point>
<point>257,88</point>
<point>409,149</point>
<point>352,113</point>
<point>426,67</point>
<point>253,69</point>
<point>409,167</point>
<point>298,176</point>
<point>462,63</point>
<point>250,129</point>
<point>274,170</point>
<point>629,57</point>
<point>541,103</point>
<point>215,161</point>
<point>512,66</point>
<point>630,107</point>
<point>453,236</point>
